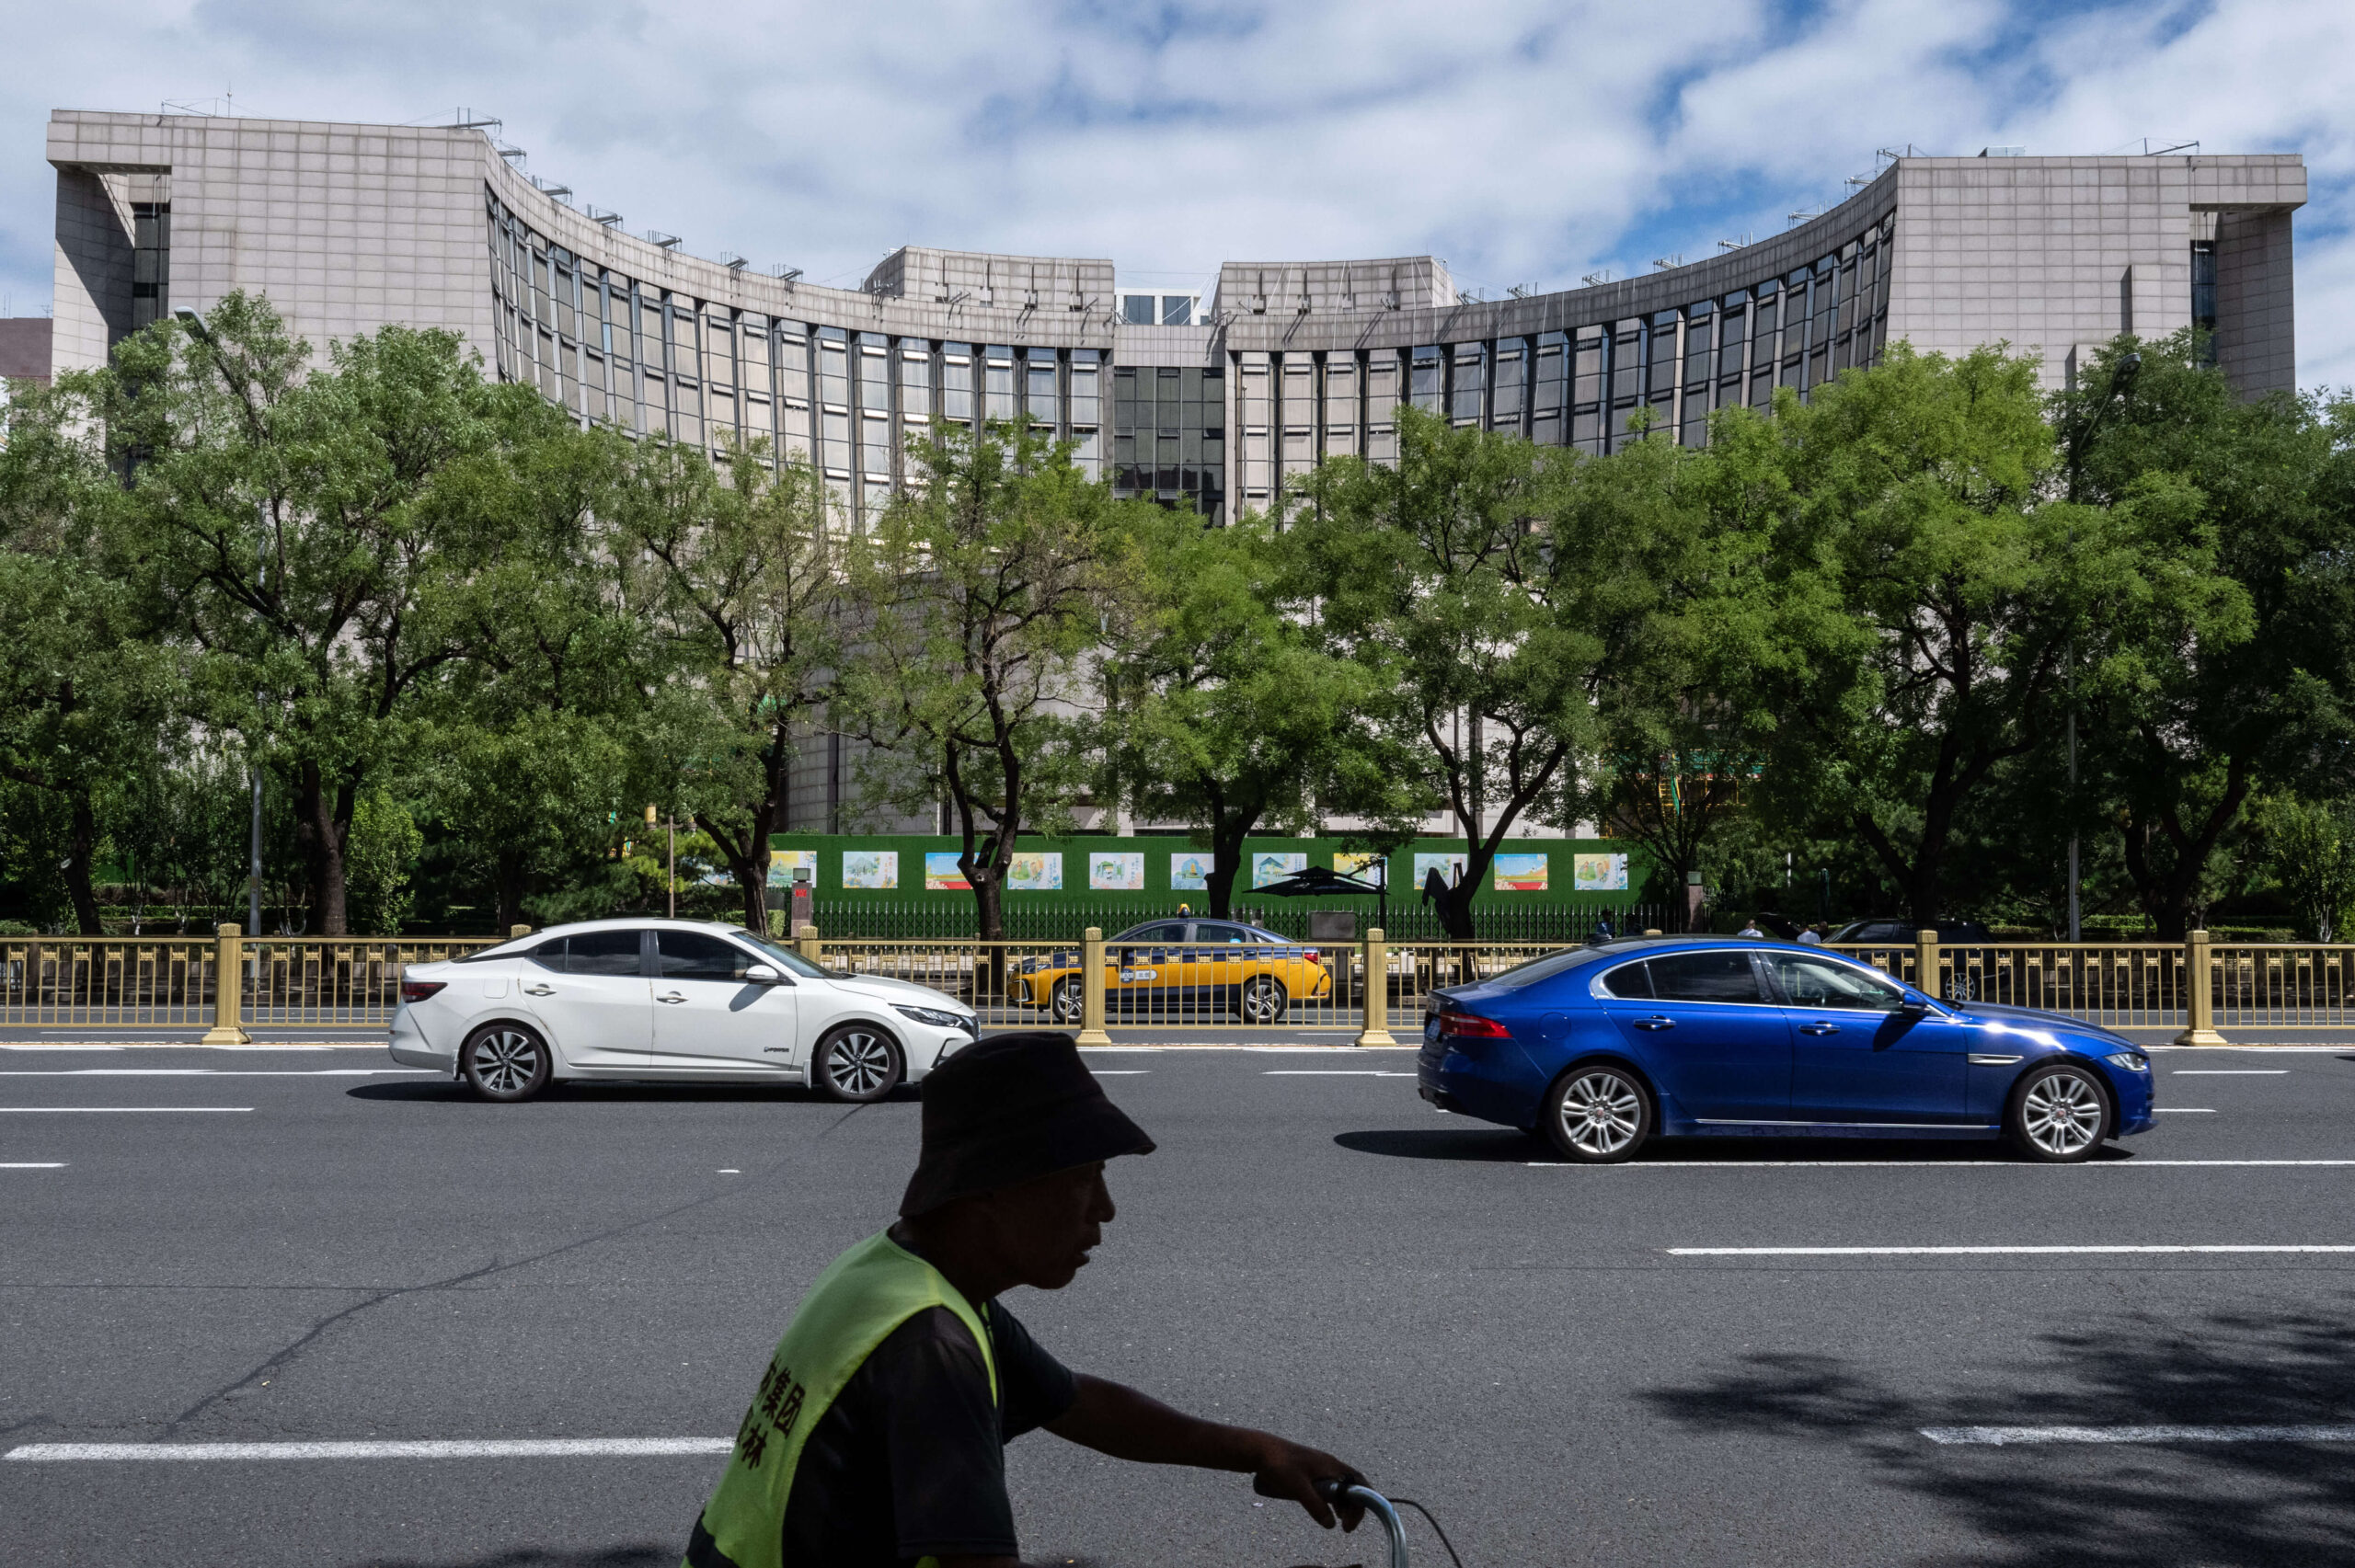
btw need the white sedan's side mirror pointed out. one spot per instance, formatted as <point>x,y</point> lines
<point>761,975</point>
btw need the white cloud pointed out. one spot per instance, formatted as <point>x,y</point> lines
<point>1525,142</point>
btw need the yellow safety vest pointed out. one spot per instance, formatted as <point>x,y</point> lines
<point>862,1297</point>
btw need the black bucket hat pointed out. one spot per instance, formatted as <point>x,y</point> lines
<point>1009,1110</point>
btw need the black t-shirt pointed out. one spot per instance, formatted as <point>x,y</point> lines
<point>909,1461</point>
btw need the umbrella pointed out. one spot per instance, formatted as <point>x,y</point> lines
<point>1323,881</point>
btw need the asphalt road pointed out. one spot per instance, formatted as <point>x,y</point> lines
<point>365,1256</point>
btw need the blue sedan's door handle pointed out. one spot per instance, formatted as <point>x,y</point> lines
<point>1655,1023</point>
<point>1819,1028</point>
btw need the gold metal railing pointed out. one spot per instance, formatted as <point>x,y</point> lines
<point>134,982</point>
<point>1359,990</point>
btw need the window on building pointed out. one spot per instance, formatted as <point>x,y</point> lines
<point>2203,295</point>
<point>1177,310</point>
<point>1136,310</point>
<point>150,262</point>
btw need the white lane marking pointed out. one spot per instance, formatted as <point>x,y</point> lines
<point>443,1449</point>
<point>103,1110</point>
<point>2134,1163</point>
<point>2002,1435</point>
<point>220,1072</point>
<point>33,1165</point>
<point>2130,1164</point>
<point>2183,1110</point>
<point>2229,1071</point>
<point>1980,1251</point>
<point>1331,1073</point>
<point>1120,1071</point>
<point>728,1170</point>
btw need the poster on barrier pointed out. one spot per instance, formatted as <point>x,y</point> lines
<point>783,863</point>
<point>1449,867</point>
<point>1518,873</point>
<point>1036,871</point>
<point>943,875</point>
<point>1189,872</point>
<point>1599,873</point>
<point>870,868</point>
<point>1116,873</point>
<point>1274,867</point>
<point>1366,867</point>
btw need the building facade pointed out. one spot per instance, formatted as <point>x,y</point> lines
<point>1208,404</point>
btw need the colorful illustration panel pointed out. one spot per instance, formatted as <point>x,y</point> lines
<point>1364,867</point>
<point>1116,873</point>
<point>1271,867</point>
<point>1599,873</point>
<point>1036,871</point>
<point>870,868</point>
<point>783,863</point>
<point>1449,867</point>
<point>1520,873</point>
<point>942,873</point>
<point>1189,872</point>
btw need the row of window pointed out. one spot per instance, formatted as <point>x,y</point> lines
<point>1589,387</point>
<point>619,350</point>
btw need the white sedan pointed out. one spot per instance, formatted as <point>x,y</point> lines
<point>672,999</point>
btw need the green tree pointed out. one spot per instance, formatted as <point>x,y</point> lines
<point>285,523</point>
<point>1440,579</point>
<point>384,847</point>
<point>2311,851</point>
<point>2217,642</point>
<point>88,694</point>
<point>1920,598</point>
<point>1221,710</point>
<point>985,589</point>
<point>744,582</point>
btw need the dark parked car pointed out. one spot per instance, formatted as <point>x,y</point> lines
<point>1859,932</point>
<point>1600,1049</point>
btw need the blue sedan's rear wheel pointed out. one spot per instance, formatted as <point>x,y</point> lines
<point>2060,1114</point>
<point>1597,1114</point>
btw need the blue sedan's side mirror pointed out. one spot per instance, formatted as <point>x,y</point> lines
<point>1913,1007</point>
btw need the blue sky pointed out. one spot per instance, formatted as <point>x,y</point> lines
<point>1526,142</point>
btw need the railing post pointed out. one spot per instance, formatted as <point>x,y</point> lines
<point>1651,930</point>
<point>514,932</point>
<point>228,989</point>
<point>1377,991</point>
<point>1091,989</point>
<point>2199,1003</point>
<point>1925,961</point>
<point>806,939</point>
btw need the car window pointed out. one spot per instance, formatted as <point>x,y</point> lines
<point>1814,982</point>
<point>1628,979</point>
<point>692,955</point>
<point>791,962</point>
<point>1154,935</point>
<point>1544,968</point>
<point>1227,935</point>
<point>549,954</point>
<point>603,953</point>
<point>1724,975</point>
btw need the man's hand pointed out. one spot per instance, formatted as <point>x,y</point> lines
<point>1114,1419</point>
<point>1292,1470</point>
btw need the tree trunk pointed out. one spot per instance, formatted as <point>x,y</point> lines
<point>509,893</point>
<point>81,848</point>
<point>1227,834</point>
<point>322,829</point>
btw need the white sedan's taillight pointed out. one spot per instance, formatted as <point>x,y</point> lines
<point>418,991</point>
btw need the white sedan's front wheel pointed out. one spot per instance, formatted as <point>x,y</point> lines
<point>858,1063</point>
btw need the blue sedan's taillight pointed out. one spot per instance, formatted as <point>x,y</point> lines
<point>1471,1026</point>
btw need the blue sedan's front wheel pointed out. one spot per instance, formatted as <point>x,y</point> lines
<point>2060,1114</point>
<point>1597,1114</point>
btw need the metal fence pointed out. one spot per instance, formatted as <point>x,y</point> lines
<point>1407,919</point>
<point>1349,989</point>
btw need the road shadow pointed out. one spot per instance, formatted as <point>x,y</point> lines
<point>2046,1505</point>
<point>1502,1146</point>
<point>1491,1145</point>
<point>635,1554</point>
<point>446,1092</point>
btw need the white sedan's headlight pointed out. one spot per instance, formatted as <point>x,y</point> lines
<point>2133,1061</point>
<point>935,1016</point>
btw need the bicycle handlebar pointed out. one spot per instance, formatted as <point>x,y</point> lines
<point>1375,1504</point>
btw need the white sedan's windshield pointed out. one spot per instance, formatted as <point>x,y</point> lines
<point>786,958</point>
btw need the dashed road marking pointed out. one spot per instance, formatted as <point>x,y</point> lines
<point>2101,1251</point>
<point>120,1110</point>
<point>440,1449</point>
<point>2004,1435</point>
<point>2229,1071</point>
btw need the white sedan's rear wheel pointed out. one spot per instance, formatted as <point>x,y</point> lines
<point>858,1063</point>
<point>505,1062</point>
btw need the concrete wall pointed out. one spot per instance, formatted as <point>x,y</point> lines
<point>24,348</point>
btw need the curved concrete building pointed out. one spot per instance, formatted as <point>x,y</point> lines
<point>348,227</point>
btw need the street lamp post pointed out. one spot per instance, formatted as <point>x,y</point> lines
<point>197,329</point>
<point>2122,377</point>
<point>671,881</point>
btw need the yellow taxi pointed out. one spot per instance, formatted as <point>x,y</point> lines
<point>1183,968</point>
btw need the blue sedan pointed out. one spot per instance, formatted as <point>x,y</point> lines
<point>1603,1047</point>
